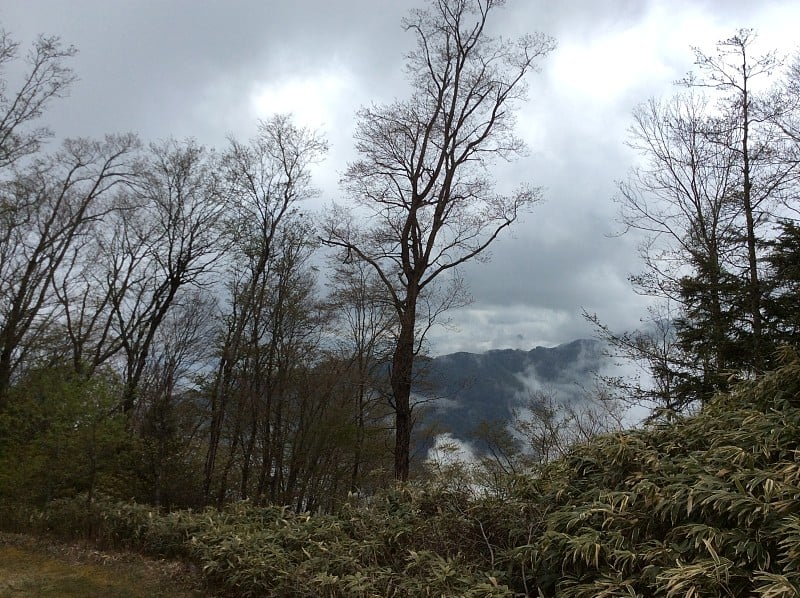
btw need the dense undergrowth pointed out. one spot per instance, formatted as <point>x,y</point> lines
<point>704,505</point>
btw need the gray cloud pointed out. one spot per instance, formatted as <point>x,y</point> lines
<point>189,68</point>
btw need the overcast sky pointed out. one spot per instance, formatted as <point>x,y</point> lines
<point>210,68</point>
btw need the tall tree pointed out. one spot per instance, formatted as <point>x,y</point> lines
<point>681,199</point>
<point>365,326</point>
<point>265,180</point>
<point>711,177</point>
<point>745,127</point>
<point>47,203</point>
<point>167,239</point>
<point>46,210</point>
<point>422,178</point>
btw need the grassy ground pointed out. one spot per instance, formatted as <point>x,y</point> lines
<point>33,567</point>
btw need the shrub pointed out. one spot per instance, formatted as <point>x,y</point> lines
<point>708,505</point>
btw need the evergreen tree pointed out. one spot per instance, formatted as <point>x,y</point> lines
<point>782,304</point>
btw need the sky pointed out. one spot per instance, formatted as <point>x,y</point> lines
<point>209,69</point>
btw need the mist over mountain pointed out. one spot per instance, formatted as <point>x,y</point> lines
<point>462,390</point>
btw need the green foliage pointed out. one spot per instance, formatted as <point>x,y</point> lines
<point>782,304</point>
<point>712,332</point>
<point>392,545</point>
<point>705,506</point>
<point>60,435</point>
<point>708,505</point>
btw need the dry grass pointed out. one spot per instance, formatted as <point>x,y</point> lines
<point>33,567</point>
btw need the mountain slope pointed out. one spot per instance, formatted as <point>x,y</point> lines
<point>468,388</point>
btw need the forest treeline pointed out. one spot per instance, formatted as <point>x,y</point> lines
<point>714,202</point>
<point>164,331</point>
<point>163,336</point>
<point>182,373</point>
<point>705,505</point>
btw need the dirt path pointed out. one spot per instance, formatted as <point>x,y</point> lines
<point>34,567</point>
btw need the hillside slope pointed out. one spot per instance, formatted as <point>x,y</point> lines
<point>473,388</point>
<point>708,505</point>
<point>704,505</point>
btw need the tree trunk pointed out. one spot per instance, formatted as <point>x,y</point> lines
<point>754,286</point>
<point>401,378</point>
<point>358,450</point>
<point>247,457</point>
<point>5,377</point>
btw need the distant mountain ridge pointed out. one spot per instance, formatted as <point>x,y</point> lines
<point>470,388</point>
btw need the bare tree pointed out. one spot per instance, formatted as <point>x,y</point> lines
<point>47,203</point>
<point>47,77</point>
<point>265,180</point>
<point>422,173</point>
<point>745,128</point>
<point>784,111</point>
<point>714,171</point>
<point>46,210</point>
<point>166,239</point>
<point>681,198</point>
<point>366,331</point>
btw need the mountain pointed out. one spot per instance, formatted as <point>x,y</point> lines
<point>462,390</point>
